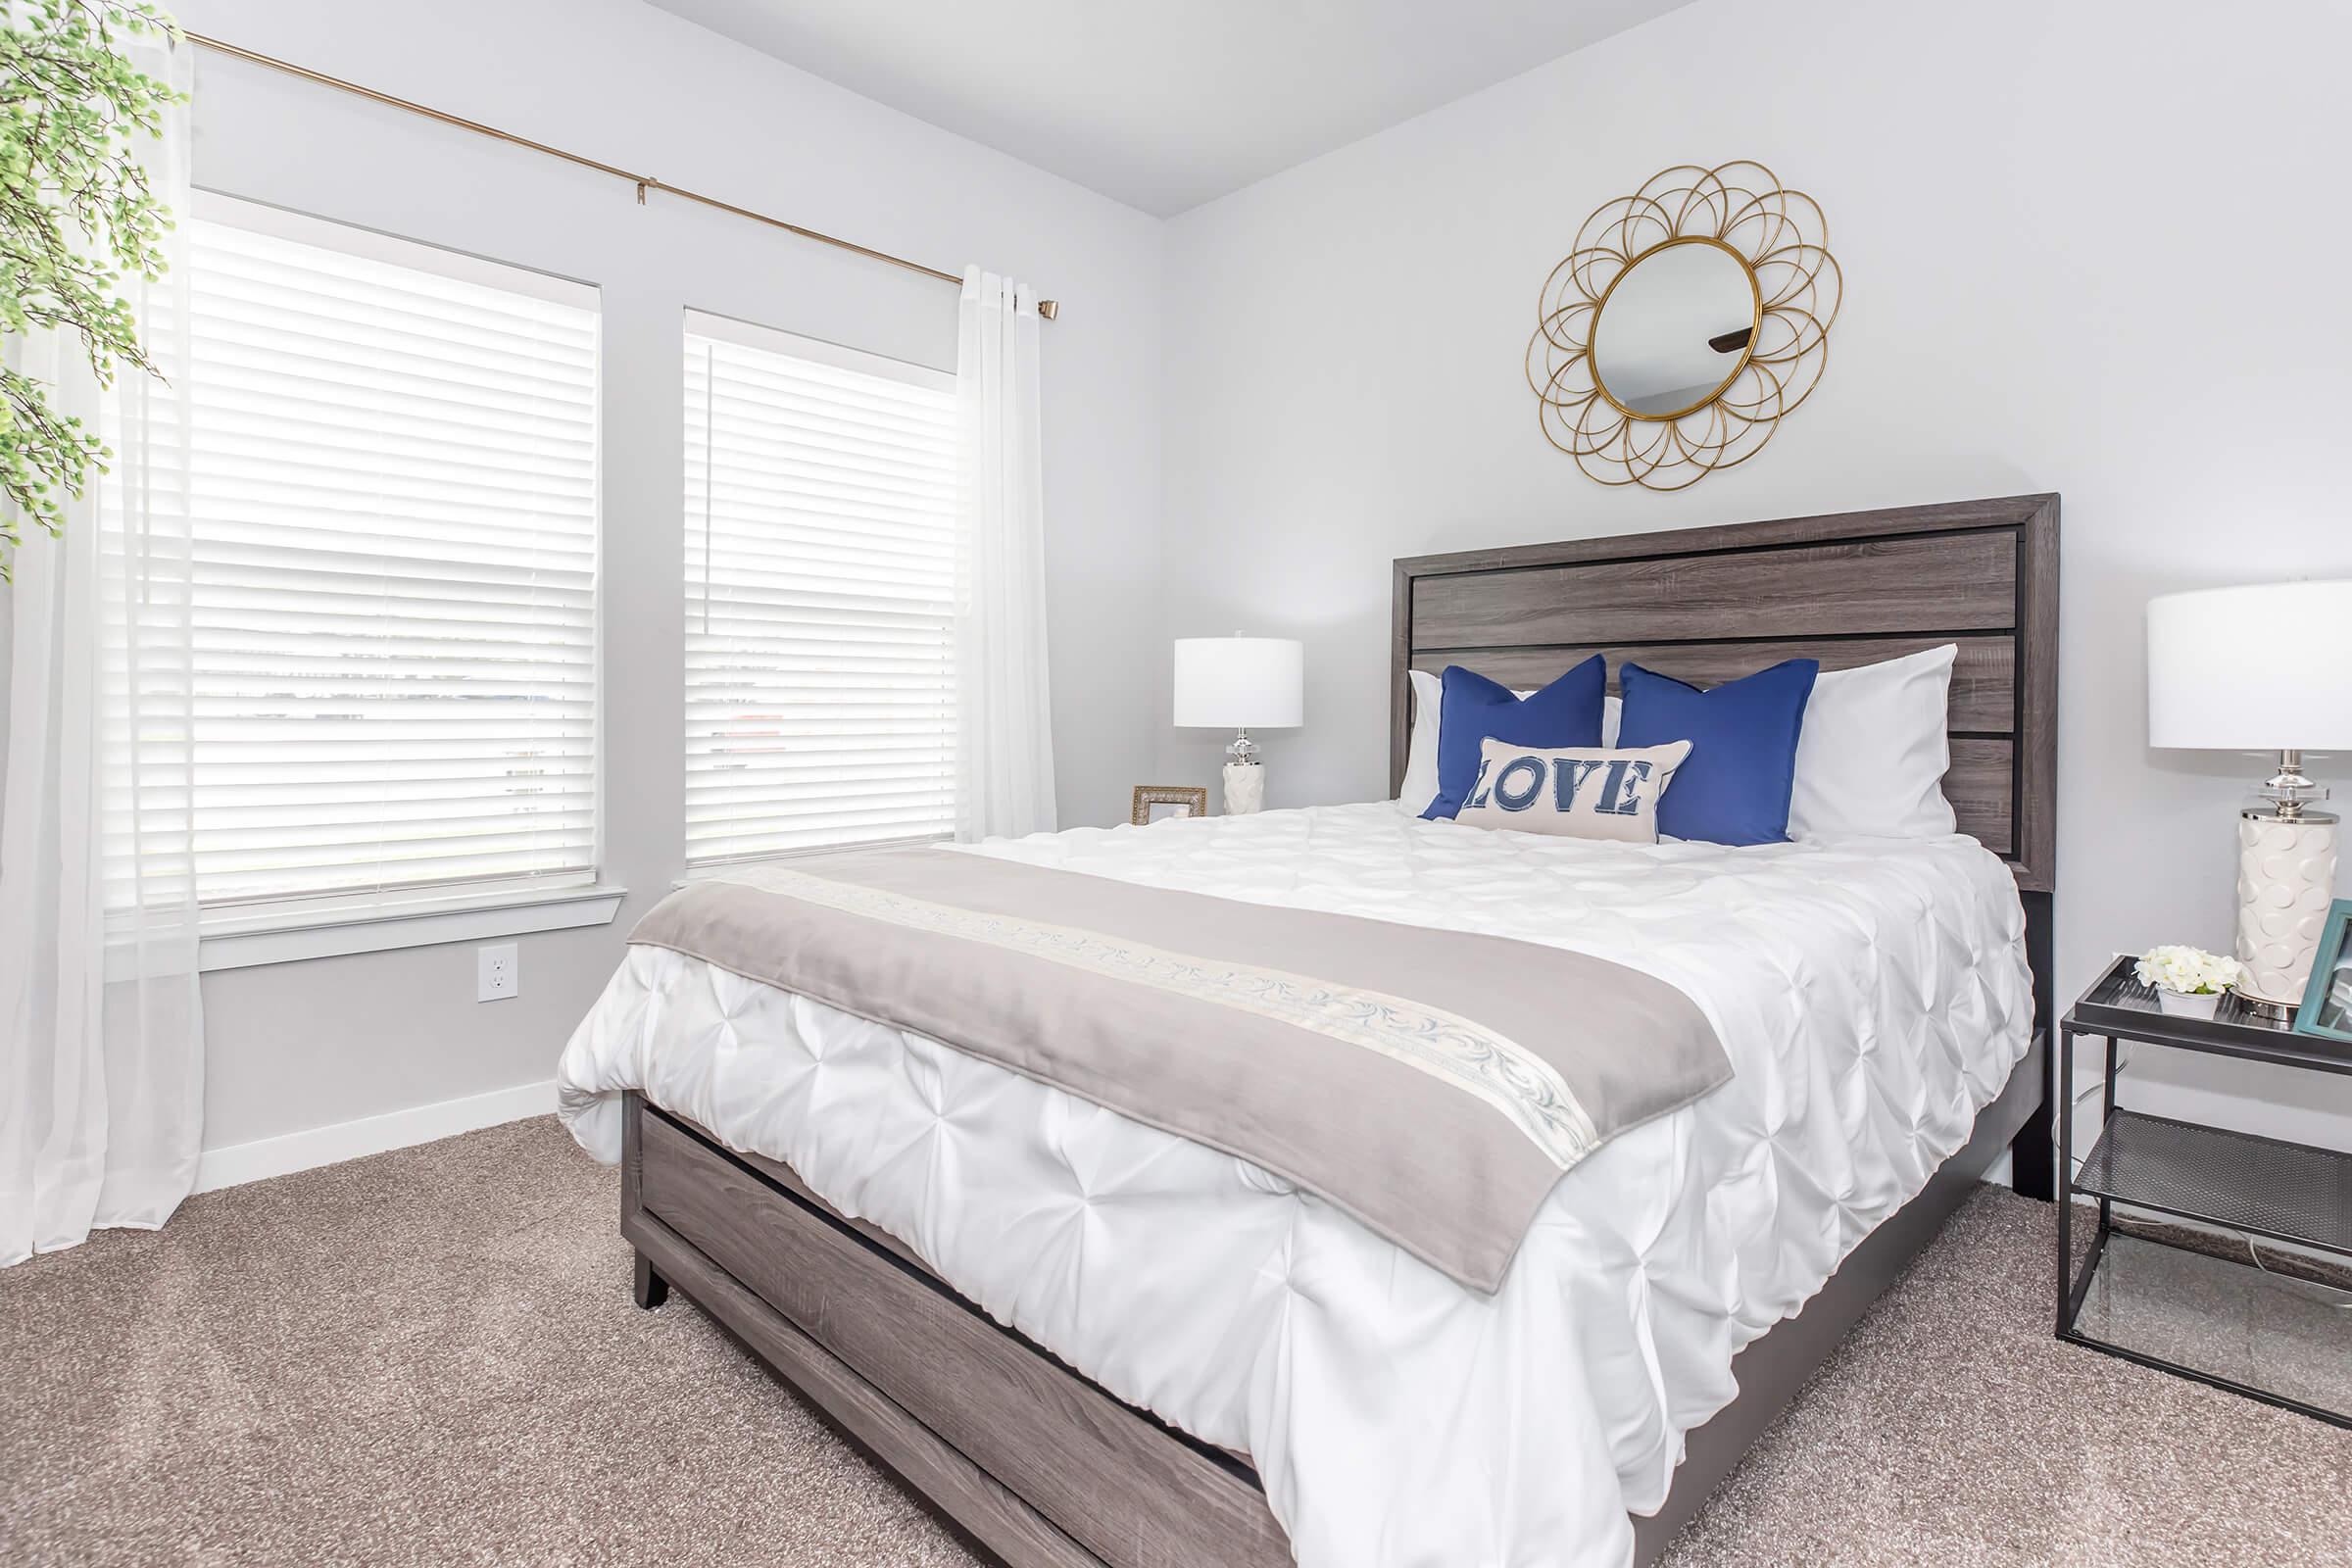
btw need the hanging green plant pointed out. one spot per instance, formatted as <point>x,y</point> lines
<point>77,217</point>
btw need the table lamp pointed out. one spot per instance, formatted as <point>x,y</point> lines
<point>2266,668</point>
<point>1241,683</point>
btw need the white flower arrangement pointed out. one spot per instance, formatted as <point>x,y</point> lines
<point>2188,971</point>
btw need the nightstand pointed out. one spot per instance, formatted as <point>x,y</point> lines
<point>2258,1187</point>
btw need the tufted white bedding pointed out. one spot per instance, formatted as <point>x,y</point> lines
<point>1873,996</point>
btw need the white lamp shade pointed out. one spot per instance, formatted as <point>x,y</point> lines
<point>2267,669</point>
<point>1239,683</point>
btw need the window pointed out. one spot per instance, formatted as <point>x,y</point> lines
<point>392,477</point>
<point>820,567</point>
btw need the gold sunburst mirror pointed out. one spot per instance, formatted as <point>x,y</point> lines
<point>1690,317</point>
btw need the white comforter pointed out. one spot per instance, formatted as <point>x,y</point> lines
<point>1873,996</point>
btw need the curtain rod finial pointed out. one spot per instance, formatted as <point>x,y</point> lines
<point>1051,310</point>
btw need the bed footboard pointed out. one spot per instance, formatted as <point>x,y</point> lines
<point>1039,1465</point>
<point>1029,1457</point>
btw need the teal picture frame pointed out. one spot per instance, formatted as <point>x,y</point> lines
<point>2327,1009</point>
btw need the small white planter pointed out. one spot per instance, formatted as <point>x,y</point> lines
<point>2183,1004</point>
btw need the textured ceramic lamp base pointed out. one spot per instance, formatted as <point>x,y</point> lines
<point>2285,882</point>
<point>1246,789</point>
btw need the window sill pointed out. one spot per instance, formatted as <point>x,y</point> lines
<point>721,870</point>
<point>242,940</point>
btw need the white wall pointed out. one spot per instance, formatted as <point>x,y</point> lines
<point>2088,247</point>
<point>300,1046</point>
<point>2079,242</point>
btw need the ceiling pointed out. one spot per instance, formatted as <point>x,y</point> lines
<point>1166,106</point>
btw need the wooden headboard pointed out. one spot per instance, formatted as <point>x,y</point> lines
<point>1708,604</point>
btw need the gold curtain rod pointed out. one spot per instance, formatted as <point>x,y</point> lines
<point>1049,309</point>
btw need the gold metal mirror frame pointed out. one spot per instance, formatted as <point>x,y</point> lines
<point>1779,235</point>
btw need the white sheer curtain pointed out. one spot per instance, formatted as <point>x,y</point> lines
<point>101,1030</point>
<point>1005,726</point>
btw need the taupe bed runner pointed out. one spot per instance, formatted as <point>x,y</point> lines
<point>1432,1084</point>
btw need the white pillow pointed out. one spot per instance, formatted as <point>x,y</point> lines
<point>1572,791</point>
<point>1872,755</point>
<point>1420,786</point>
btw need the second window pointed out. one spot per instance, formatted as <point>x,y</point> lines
<point>820,581</point>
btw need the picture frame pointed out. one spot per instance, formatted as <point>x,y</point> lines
<point>2326,1011</point>
<point>1168,803</point>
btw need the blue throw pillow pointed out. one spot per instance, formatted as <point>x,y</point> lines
<point>1742,735</point>
<point>1472,707</point>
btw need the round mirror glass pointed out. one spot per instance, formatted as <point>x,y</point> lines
<point>1674,329</point>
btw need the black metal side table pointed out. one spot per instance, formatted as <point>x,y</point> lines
<point>2257,1185</point>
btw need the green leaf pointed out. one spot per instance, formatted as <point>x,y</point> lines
<point>77,217</point>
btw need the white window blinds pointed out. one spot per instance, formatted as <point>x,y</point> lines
<point>392,476</point>
<point>820,567</point>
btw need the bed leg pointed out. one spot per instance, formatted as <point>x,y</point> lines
<point>2033,1164</point>
<point>649,1288</point>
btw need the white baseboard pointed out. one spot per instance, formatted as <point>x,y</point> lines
<point>263,1158</point>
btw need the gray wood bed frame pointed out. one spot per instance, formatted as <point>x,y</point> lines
<point>1047,1470</point>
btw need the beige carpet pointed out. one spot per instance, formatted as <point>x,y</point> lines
<point>430,1357</point>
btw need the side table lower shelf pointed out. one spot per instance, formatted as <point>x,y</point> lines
<point>2263,1186</point>
<point>2254,1185</point>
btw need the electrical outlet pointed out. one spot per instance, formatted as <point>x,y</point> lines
<point>498,972</point>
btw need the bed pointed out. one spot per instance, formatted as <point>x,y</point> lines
<point>909,1235</point>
